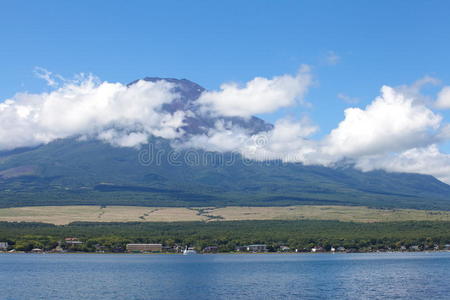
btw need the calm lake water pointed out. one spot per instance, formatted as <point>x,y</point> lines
<point>264,276</point>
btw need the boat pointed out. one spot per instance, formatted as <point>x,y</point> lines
<point>189,251</point>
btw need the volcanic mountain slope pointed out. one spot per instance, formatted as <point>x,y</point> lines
<point>72,172</point>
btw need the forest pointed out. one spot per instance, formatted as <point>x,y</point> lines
<point>227,236</point>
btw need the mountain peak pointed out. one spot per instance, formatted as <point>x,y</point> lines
<point>188,92</point>
<point>183,85</point>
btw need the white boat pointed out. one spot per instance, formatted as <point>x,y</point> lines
<point>189,251</point>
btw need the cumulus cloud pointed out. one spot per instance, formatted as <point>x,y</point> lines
<point>87,107</point>
<point>444,133</point>
<point>347,99</point>
<point>392,122</point>
<point>260,95</point>
<point>414,91</point>
<point>287,141</point>
<point>443,99</point>
<point>425,160</point>
<point>50,78</point>
<point>122,138</point>
<point>223,137</point>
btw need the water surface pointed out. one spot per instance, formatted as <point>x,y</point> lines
<point>225,276</point>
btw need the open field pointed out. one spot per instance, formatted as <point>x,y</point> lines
<point>61,215</point>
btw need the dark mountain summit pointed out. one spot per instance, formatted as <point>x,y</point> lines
<point>189,92</point>
<point>72,172</point>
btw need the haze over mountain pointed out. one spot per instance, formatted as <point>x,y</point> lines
<point>168,142</point>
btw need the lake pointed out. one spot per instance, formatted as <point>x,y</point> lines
<point>225,276</point>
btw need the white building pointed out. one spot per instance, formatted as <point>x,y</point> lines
<point>4,246</point>
<point>257,248</point>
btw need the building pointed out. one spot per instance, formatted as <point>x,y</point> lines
<point>144,247</point>
<point>257,248</point>
<point>72,241</point>
<point>414,248</point>
<point>318,249</point>
<point>57,249</point>
<point>170,249</point>
<point>211,249</point>
<point>4,246</point>
<point>284,248</point>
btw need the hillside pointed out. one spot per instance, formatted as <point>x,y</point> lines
<point>91,172</point>
<point>69,172</point>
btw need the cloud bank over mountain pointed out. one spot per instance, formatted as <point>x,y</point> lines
<point>398,131</point>
<point>121,115</point>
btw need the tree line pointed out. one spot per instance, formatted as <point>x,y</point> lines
<point>227,236</point>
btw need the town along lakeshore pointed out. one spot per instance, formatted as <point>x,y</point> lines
<point>304,236</point>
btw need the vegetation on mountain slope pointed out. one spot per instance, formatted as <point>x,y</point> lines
<point>71,172</point>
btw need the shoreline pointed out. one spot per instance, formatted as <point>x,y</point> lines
<point>228,253</point>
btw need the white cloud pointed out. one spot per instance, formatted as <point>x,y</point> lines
<point>348,99</point>
<point>51,79</point>
<point>444,133</point>
<point>443,99</point>
<point>260,95</point>
<point>414,90</point>
<point>426,160</point>
<point>287,141</point>
<point>392,122</point>
<point>223,137</point>
<point>123,139</point>
<point>89,108</point>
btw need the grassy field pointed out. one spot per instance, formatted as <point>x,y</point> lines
<point>61,215</point>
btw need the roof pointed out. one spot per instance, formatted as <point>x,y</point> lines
<point>144,244</point>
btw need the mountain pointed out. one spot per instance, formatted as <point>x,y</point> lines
<point>189,92</point>
<point>72,172</point>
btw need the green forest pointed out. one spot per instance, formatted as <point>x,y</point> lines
<point>229,235</point>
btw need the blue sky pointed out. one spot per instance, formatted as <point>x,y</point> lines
<point>375,43</point>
